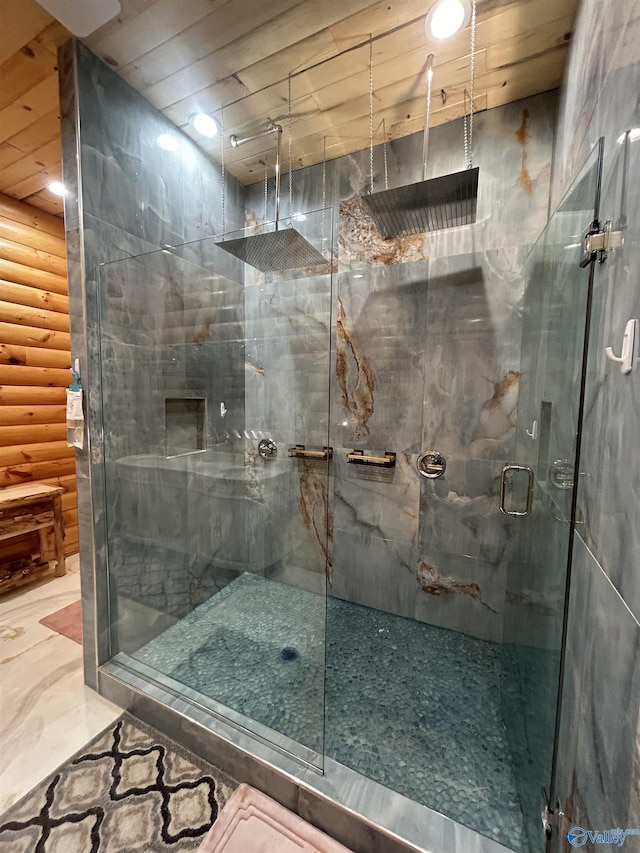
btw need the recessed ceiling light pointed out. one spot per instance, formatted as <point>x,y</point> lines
<point>167,141</point>
<point>446,18</point>
<point>299,217</point>
<point>57,188</point>
<point>204,124</point>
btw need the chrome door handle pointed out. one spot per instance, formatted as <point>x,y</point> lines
<point>503,488</point>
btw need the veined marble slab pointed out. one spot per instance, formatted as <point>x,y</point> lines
<point>46,711</point>
<point>599,752</point>
<point>254,823</point>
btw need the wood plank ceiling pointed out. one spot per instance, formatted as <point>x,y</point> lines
<point>205,55</point>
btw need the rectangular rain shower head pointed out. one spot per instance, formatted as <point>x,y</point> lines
<point>275,251</point>
<point>445,202</point>
<point>279,249</point>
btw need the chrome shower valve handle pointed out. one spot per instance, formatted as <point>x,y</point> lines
<point>431,464</point>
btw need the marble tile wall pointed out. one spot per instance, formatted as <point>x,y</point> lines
<point>598,780</point>
<point>171,327</point>
<point>127,196</point>
<point>609,495</point>
<point>288,341</point>
<point>427,338</point>
<point>600,721</point>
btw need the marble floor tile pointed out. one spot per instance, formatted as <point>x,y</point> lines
<point>46,712</point>
<point>20,611</point>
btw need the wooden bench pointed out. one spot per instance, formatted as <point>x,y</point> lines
<point>23,510</point>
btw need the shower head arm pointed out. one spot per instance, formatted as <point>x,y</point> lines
<point>273,128</point>
<point>278,151</point>
<point>427,116</point>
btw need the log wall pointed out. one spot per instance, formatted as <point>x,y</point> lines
<point>35,356</point>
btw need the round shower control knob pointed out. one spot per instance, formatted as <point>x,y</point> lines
<point>267,449</point>
<point>431,464</point>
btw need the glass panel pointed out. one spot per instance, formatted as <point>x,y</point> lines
<point>555,309</point>
<point>415,615</point>
<point>217,545</point>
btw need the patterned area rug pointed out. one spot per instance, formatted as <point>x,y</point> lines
<point>130,790</point>
<point>67,621</point>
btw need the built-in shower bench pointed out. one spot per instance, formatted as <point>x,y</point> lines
<point>33,508</point>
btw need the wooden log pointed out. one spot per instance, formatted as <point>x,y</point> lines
<point>70,502</point>
<point>26,316</point>
<point>42,377</point>
<point>37,522</point>
<point>70,517</point>
<point>14,395</point>
<point>12,475</point>
<point>20,274</point>
<point>32,256</point>
<point>11,548</point>
<point>31,336</point>
<point>25,415</point>
<point>34,356</point>
<point>58,529</point>
<point>31,434</point>
<point>32,453</point>
<point>71,541</point>
<point>68,483</point>
<point>32,237</point>
<point>22,294</point>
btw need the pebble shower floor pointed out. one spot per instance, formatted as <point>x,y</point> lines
<point>412,706</point>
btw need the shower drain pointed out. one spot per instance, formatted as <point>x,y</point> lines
<point>289,653</point>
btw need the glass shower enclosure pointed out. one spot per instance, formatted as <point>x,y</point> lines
<point>217,588</point>
<point>540,489</point>
<point>221,466</point>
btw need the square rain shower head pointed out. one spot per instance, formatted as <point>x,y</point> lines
<point>445,202</point>
<point>275,251</point>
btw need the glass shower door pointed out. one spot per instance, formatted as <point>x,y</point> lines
<point>212,375</point>
<point>538,491</point>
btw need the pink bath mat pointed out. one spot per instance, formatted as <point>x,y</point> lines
<point>67,621</point>
<point>254,823</point>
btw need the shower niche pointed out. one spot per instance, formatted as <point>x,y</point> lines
<point>184,425</point>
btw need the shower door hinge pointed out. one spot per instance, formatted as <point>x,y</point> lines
<point>597,242</point>
<point>548,820</point>
<point>551,816</point>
